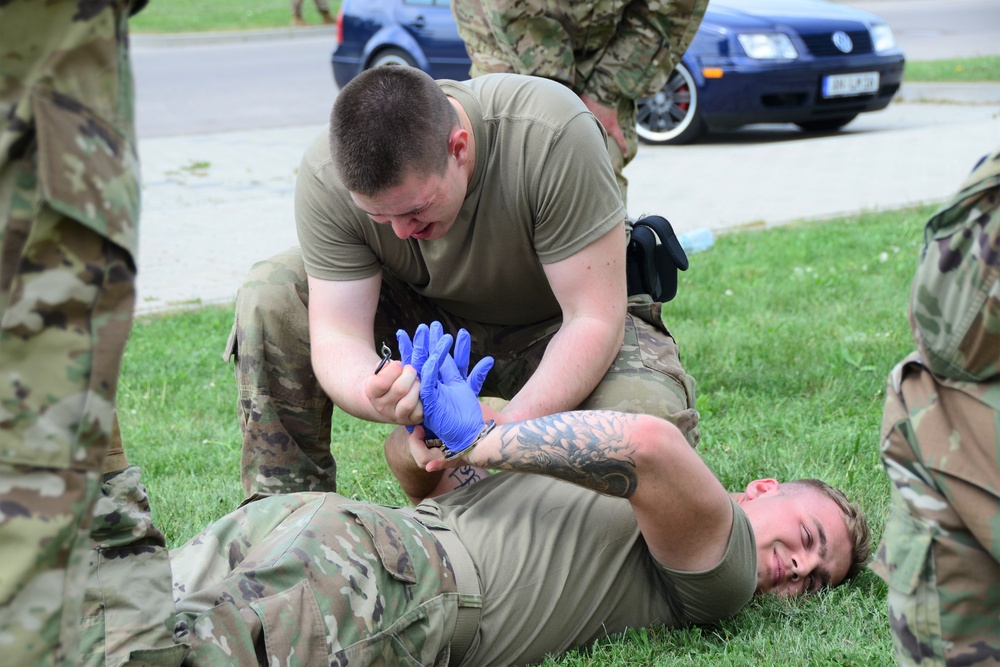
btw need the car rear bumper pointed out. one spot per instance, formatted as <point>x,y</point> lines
<point>751,92</point>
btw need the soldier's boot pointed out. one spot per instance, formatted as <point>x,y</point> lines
<point>327,18</point>
<point>298,21</point>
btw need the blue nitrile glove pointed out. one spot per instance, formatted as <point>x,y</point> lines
<point>463,350</point>
<point>415,354</point>
<point>451,406</point>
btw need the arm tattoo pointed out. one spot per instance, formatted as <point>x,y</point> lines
<point>464,476</point>
<point>593,450</point>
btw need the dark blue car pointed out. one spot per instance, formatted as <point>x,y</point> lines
<point>808,62</point>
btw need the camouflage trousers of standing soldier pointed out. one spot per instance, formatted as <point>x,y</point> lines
<point>286,416</point>
<point>940,553</point>
<point>66,295</point>
<point>488,58</point>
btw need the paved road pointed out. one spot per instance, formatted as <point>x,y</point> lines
<point>199,88</point>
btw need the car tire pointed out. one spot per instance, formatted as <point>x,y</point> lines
<point>826,124</point>
<point>672,116</point>
<point>392,56</point>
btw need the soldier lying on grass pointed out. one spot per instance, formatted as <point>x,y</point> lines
<point>598,521</point>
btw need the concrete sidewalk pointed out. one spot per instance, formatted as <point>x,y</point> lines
<point>215,204</point>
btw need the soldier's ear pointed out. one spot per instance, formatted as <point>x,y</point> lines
<point>761,487</point>
<point>458,145</point>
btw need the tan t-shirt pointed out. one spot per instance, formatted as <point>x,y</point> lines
<point>562,566</point>
<point>542,189</point>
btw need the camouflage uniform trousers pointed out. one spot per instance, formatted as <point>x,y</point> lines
<point>939,554</point>
<point>488,58</point>
<point>69,199</point>
<point>614,51</point>
<point>301,578</point>
<point>128,610</point>
<point>285,414</point>
<point>318,579</point>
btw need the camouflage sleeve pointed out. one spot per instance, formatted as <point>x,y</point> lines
<point>955,300</point>
<point>939,549</point>
<point>506,35</point>
<point>651,37</point>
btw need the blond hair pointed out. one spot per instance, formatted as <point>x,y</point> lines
<point>854,518</point>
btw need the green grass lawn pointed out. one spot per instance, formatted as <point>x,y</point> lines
<point>983,68</point>
<point>790,333</point>
<point>169,16</point>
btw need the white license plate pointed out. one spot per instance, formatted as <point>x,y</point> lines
<point>840,85</point>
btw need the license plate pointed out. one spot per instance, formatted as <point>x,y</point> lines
<point>841,85</point>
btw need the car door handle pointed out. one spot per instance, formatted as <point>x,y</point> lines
<point>419,22</point>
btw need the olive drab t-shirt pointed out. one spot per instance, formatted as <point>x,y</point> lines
<point>542,189</point>
<point>562,566</point>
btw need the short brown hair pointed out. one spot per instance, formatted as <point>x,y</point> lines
<point>387,121</point>
<point>857,523</point>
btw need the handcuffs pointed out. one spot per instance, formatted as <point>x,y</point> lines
<point>435,443</point>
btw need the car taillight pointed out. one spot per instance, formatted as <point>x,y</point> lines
<point>340,26</point>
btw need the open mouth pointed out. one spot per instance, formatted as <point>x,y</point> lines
<point>424,232</point>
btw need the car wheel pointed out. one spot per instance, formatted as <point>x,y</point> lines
<point>392,56</point>
<point>827,124</point>
<point>672,115</point>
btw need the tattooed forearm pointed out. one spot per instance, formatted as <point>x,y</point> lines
<point>465,475</point>
<point>592,449</point>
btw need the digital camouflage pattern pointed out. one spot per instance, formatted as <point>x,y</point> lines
<point>69,206</point>
<point>298,579</point>
<point>941,442</point>
<point>955,303</point>
<point>614,51</point>
<point>285,414</point>
<point>128,607</point>
<point>939,553</point>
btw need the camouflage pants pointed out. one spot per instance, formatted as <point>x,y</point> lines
<point>66,297</point>
<point>285,414</point>
<point>318,579</point>
<point>128,609</point>
<point>488,58</point>
<point>940,553</point>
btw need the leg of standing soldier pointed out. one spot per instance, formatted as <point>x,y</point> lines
<point>297,19</point>
<point>324,11</point>
<point>67,295</point>
<point>939,553</point>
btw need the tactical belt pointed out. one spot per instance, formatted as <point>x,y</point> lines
<point>470,601</point>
